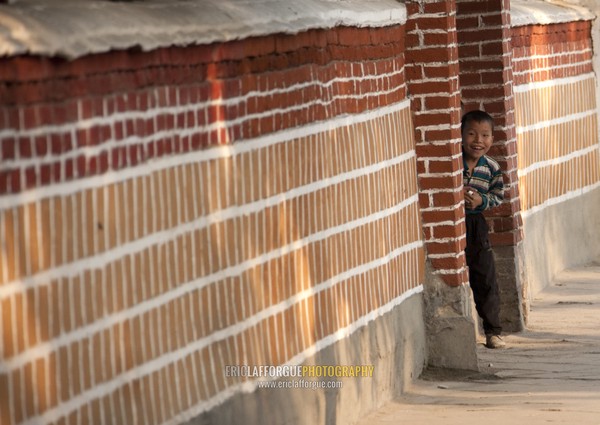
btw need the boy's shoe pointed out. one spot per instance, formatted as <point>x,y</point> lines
<point>494,341</point>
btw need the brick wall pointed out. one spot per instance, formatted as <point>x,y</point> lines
<point>141,253</point>
<point>555,105</point>
<point>487,84</point>
<point>432,70</point>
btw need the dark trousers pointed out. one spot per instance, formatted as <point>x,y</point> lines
<point>482,273</point>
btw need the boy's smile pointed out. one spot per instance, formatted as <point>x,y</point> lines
<point>477,139</point>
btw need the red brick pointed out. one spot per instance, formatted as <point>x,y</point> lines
<point>425,87</point>
<point>478,7</point>
<point>443,71</point>
<point>449,263</point>
<point>504,224</point>
<point>488,92</point>
<point>492,48</point>
<point>442,101</point>
<point>424,200</point>
<point>455,279</point>
<point>467,22</point>
<point>445,166</point>
<point>440,7</point>
<point>450,182</point>
<point>8,148</point>
<point>492,20</point>
<point>30,117</point>
<point>505,238</point>
<point>25,147</point>
<point>443,215</point>
<point>447,231</point>
<point>427,119</point>
<point>479,64</point>
<point>385,35</point>
<point>4,181</point>
<point>438,150</point>
<point>444,38</point>
<point>46,174</point>
<point>436,54</point>
<point>352,36</point>
<point>449,135</point>
<point>446,247</point>
<point>15,181</point>
<point>446,199</point>
<point>470,79</point>
<point>434,23</point>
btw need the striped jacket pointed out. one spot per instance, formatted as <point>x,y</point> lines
<point>487,179</point>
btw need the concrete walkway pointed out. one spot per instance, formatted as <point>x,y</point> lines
<point>547,374</point>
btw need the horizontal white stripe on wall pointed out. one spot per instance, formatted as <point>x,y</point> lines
<point>214,152</point>
<point>556,121</point>
<point>251,385</point>
<point>559,199</point>
<point>118,117</point>
<point>101,260</point>
<point>521,88</point>
<point>195,108</point>
<point>100,390</point>
<point>533,70</point>
<point>43,350</point>
<point>555,161</point>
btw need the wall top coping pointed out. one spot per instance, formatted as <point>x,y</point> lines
<point>73,28</point>
<point>539,12</point>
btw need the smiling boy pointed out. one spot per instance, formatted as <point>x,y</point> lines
<point>483,189</point>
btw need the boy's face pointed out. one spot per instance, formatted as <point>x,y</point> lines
<point>477,139</point>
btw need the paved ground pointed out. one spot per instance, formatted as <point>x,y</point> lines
<point>547,374</point>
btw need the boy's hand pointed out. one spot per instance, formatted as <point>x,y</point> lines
<point>472,198</point>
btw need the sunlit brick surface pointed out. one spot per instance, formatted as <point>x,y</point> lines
<point>154,236</point>
<point>555,107</point>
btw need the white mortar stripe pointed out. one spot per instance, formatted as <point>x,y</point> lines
<point>428,159</point>
<point>551,55</point>
<point>106,257</point>
<point>436,191</point>
<point>216,152</point>
<point>43,350</point>
<point>92,151</point>
<point>157,112</point>
<point>441,256</point>
<point>88,123</point>
<point>552,67</point>
<point>556,121</point>
<point>444,223</point>
<point>449,208</point>
<point>522,88</point>
<point>251,386</point>
<point>172,357</point>
<point>549,67</point>
<point>451,174</point>
<point>559,199</point>
<point>449,271</point>
<point>555,161</point>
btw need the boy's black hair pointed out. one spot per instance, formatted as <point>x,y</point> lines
<point>477,116</point>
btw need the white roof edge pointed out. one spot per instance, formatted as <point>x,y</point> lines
<point>73,28</point>
<point>540,12</point>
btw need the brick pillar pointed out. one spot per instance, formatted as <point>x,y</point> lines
<point>486,83</point>
<point>433,85</point>
<point>432,71</point>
